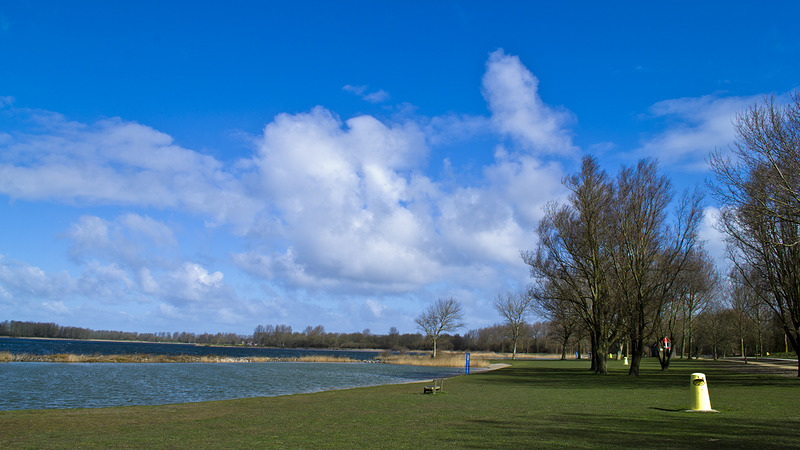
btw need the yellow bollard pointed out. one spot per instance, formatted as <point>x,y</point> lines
<point>626,361</point>
<point>700,401</point>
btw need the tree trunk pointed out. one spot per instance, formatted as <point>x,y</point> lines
<point>636,350</point>
<point>434,348</point>
<point>744,355</point>
<point>599,356</point>
<point>514,352</point>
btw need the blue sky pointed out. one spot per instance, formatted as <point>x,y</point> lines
<point>197,166</point>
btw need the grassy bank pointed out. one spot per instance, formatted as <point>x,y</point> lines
<point>530,404</point>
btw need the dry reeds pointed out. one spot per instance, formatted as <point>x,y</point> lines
<point>442,360</point>
<point>326,358</point>
<point>140,358</point>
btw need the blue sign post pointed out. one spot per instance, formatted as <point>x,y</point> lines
<point>466,368</point>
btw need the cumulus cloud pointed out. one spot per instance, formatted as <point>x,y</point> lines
<point>193,283</point>
<point>345,209</point>
<point>512,94</point>
<point>341,191</point>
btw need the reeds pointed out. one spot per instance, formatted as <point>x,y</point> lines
<point>441,360</point>
<point>142,358</point>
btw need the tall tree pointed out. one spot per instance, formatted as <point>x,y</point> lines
<point>514,308</point>
<point>572,256</point>
<point>758,187</point>
<point>649,252</point>
<point>443,315</point>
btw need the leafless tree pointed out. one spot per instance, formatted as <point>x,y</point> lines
<point>697,286</point>
<point>514,308</point>
<point>649,253</point>
<point>571,256</point>
<point>758,187</point>
<point>443,315</point>
<point>562,316</point>
<point>742,299</point>
<point>712,325</point>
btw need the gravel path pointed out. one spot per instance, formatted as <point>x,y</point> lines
<point>784,367</point>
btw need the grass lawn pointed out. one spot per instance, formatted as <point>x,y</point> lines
<point>531,404</point>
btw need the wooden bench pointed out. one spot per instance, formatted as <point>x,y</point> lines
<point>438,385</point>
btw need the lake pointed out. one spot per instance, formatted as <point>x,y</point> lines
<point>29,385</point>
<point>57,346</point>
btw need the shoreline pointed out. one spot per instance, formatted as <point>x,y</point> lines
<point>70,358</point>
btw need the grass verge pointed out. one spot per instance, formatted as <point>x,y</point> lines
<point>530,404</point>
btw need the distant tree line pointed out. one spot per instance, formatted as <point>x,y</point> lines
<point>724,327</point>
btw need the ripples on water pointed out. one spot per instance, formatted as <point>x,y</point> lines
<point>95,385</point>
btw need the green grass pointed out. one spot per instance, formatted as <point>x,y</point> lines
<point>531,404</point>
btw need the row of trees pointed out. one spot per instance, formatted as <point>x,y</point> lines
<point>613,262</point>
<point>13,328</point>
<point>734,324</point>
<point>613,259</point>
<point>758,187</point>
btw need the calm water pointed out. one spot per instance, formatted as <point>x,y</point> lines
<point>95,385</point>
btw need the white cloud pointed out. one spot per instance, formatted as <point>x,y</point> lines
<point>331,208</point>
<point>375,307</point>
<point>117,162</point>
<point>714,239</point>
<point>24,281</point>
<point>511,91</point>
<point>341,192</point>
<point>695,127</point>
<point>157,232</point>
<point>130,239</point>
<point>57,307</point>
<point>193,283</point>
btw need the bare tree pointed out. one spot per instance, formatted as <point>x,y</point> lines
<point>712,325</point>
<point>571,262</point>
<point>650,254</point>
<point>443,315</point>
<point>743,298</point>
<point>514,308</point>
<point>759,190</point>
<point>571,256</point>
<point>697,286</point>
<point>562,316</point>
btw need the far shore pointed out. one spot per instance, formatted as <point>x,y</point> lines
<point>478,360</point>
